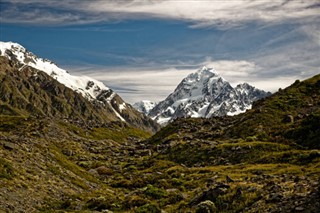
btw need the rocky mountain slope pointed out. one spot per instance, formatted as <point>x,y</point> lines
<point>40,87</point>
<point>205,94</point>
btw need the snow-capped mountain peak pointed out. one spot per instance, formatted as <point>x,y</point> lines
<point>205,94</point>
<point>88,87</point>
<point>95,91</point>
<point>201,75</point>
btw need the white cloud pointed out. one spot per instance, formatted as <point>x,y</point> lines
<point>136,85</point>
<point>207,12</point>
<point>277,63</point>
<point>155,85</point>
<point>236,68</point>
<point>201,13</point>
<point>237,72</point>
<point>273,84</point>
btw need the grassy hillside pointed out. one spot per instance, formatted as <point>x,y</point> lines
<point>290,115</point>
<point>266,160</point>
<point>45,164</point>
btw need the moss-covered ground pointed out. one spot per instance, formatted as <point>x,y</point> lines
<point>266,160</point>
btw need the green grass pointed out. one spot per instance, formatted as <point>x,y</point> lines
<point>68,127</point>
<point>72,167</point>
<point>191,153</point>
<point>118,135</point>
<point>6,169</point>
<point>9,123</point>
<point>255,150</point>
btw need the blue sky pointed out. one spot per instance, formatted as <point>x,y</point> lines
<point>142,49</point>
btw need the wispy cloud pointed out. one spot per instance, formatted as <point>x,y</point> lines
<point>156,84</point>
<point>200,13</point>
<point>137,84</point>
<point>266,43</point>
<point>233,69</point>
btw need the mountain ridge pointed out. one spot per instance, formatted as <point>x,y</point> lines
<point>205,94</point>
<point>287,116</point>
<point>105,100</point>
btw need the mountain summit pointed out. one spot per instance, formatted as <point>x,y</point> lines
<point>98,103</point>
<point>205,94</point>
<point>86,86</point>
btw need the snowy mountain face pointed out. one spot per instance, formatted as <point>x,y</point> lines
<point>144,106</point>
<point>91,89</point>
<point>88,87</point>
<point>205,94</point>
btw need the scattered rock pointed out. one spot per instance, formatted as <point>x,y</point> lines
<point>210,182</point>
<point>258,172</point>
<point>206,207</point>
<point>9,145</point>
<point>106,211</point>
<point>67,152</point>
<point>288,119</point>
<point>210,194</point>
<point>229,180</point>
<point>93,172</point>
<point>274,198</point>
<point>299,208</point>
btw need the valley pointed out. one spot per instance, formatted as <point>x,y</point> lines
<point>64,151</point>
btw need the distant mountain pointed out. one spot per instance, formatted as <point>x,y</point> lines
<point>289,116</point>
<point>21,69</point>
<point>206,94</point>
<point>144,106</point>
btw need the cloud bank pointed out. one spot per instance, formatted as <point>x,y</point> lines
<point>156,85</point>
<point>200,13</point>
<point>266,43</point>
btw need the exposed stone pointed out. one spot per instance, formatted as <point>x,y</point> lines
<point>229,180</point>
<point>210,194</point>
<point>299,208</point>
<point>106,211</point>
<point>9,145</point>
<point>206,207</point>
<point>288,119</point>
<point>67,152</point>
<point>274,198</point>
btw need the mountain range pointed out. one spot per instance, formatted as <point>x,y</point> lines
<point>203,94</point>
<point>200,94</point>
<point>80,148</point>
<point>56,92</point>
